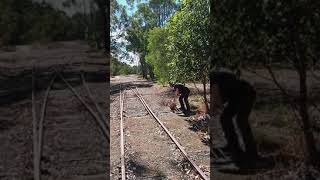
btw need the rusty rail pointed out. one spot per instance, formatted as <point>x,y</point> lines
<point>38,134</point>
<point>102,115</point>
<point>96,117</point>
<point>38,129</point>
<point>123,171</point>
<point>36,168</point>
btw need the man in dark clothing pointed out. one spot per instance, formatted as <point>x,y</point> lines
<point>183,93</point>
<point>239,96</point>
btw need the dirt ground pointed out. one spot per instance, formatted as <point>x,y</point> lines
<point>149,152</point>
<point>73,145</point>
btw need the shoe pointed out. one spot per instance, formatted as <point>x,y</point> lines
<point>229,150</point>
<point>221,161</point>
<point>186,113</point>
<point>254,163</point>
<point>226,149</point>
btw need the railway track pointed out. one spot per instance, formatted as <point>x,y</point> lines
<point>196,168</point>
<point>38,123</point>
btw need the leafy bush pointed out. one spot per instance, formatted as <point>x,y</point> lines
<point>23,22</point>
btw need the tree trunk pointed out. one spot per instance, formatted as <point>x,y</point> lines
<point>151,74</point>
<point>204,84</point>
<point>143,66</point>
<point>104,9</point>
<point>303,110</point>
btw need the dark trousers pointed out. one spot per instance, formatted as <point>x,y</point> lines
<point>240,108</point>
<point>183,99</point>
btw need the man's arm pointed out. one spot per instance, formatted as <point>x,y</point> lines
<point>176,94</point>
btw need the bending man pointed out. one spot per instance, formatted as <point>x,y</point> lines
<point>183,93</point>
<point>239,96</point>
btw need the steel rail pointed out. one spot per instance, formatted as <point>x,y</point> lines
<point>123,172</point>
<point>43,112</point>
<point>195,166</point>
<point>97,119</point>
<point>38,136</point>
<point>36,169</point>
<point>38,130</point>
<point>102,115</point>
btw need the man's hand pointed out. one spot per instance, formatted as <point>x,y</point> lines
<point>177,93</point>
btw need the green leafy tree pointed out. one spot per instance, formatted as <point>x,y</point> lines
<point>27,21</point>
<point>189,40</point>
<point>181,49</point>
<point>268,33</point>
<point>140,23</point>
<point>157,56</point>
<point>163,10</point>
<point>149,15</point>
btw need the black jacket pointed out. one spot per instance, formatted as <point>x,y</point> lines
<point>231,88</point>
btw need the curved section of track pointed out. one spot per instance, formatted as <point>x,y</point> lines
<point>38,125</point>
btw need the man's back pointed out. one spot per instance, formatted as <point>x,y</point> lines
<point>228,84</point>
<point>182,89</point>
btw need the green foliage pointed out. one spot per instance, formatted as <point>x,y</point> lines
<point>149,15</point>
<point>180,50</point>
<point>265,32</point>
<point>163,9</point>
<point>27,21</point>
<point>269,32</point>
<point>119,21</point>
<point>121,68</point>
<point>142,21</point>
<point>157,55</point>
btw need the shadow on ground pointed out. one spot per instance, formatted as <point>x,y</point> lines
<point>261,166</point>
<point>138,169</point>
<point>142,171</point>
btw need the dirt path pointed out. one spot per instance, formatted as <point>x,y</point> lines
<point>149,151</point>
<point>73,145</point>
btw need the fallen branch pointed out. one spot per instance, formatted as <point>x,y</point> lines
<point>257,74</point>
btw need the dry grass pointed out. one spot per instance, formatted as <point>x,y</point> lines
<point>196,103</point>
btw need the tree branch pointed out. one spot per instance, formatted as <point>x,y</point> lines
<point>284,91</point>
<point>259,75</point>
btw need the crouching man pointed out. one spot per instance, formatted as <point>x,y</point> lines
<point>238,97</point>
<point>183,92</point>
